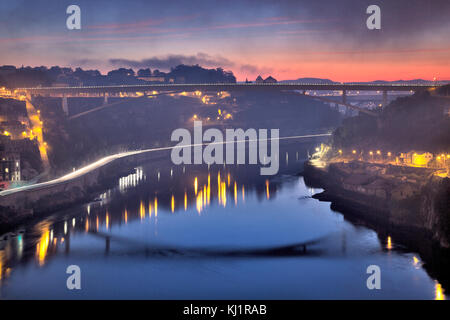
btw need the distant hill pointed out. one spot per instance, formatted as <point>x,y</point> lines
<point>328,81</point>
<point>309,80</point>
<point>412,81</point>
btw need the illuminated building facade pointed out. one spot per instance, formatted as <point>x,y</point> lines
<point>9,167</point>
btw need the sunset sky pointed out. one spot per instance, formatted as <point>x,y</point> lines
<point>285,39</point>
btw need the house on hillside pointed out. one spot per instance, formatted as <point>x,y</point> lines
<point>270,79</point>
<point>447,111</point>
<point>414,158</point>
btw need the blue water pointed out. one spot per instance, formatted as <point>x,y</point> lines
<point>192,261</point>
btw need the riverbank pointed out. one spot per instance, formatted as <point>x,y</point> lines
<point>21,204</point>
<point>412,201</point>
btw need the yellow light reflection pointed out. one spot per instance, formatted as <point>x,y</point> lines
<point>267,190</point>
<point>172,203</point>
<point>155,204</point>
<point>224,194</point>
<point>195,185</point>
<point>199,202</point>
<point>218,188</point>
<point>126,216</point>
<point>235,193</point>
<point>389,243</point>
<point>185,201</point>
<point>243,193</point>
<point>208,191</point>
<point>1,265</point>
<point>204,195</point>
<point>141,210</point>
<point>439,292</point>
<point>42,247</point>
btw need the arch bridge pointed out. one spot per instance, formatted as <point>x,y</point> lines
<point>156,89</point>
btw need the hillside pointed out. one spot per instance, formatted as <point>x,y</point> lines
<point>418,122</point>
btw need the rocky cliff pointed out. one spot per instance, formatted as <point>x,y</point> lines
<point>411,200</point>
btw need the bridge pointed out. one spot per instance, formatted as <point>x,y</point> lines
<point>155,89</point>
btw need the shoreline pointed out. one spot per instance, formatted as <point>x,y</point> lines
<point>418,221</point>
<point>410,198</point>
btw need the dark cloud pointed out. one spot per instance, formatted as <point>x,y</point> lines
<point>252,69</point>
<point>172,60</point>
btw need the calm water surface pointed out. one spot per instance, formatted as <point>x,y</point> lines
<point>199,233</point>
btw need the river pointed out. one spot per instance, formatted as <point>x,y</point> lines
<point>198,232</point>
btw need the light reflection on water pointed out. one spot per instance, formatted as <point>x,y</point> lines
<point>214,208</point>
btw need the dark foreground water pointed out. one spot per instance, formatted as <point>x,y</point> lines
<point>199,233</point>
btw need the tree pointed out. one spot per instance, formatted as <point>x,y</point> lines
<point>144,72</point>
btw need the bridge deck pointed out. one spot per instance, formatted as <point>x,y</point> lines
<point>223,87</point>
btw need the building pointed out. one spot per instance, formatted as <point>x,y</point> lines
<point>447,111</point>
<point>152,79</point>
<point>270,79</point>
<point>414,158</point>
<point>419,158</point>
<point>9,167</point>
<point>60,84</point>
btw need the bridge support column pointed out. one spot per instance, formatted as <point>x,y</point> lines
<point>107,245</point>
<point>105,98</point>
<point>385,98</point>
<point>65,105</point>
<point>344,101</point>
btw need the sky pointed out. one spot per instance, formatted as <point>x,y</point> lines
<point>285,39</point>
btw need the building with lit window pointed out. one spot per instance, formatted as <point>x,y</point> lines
<point>9,167</point>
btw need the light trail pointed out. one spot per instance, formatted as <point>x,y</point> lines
<point>99,163</point>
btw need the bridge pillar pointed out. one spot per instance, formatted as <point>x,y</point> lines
<point>385,98</point>
<point>105,98</point>
<point>348,112</point>
<point>65,105</point>
<point>107,245</point>
<point>344,96</point>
